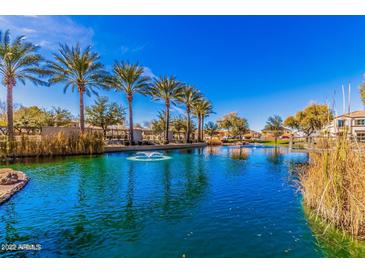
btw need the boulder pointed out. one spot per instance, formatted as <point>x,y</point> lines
<point>10,177</point>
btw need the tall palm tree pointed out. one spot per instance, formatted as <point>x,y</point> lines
<point>19,62</point>
<point>202,109</point>
<point>206,110</point>
<point>188,95</point>
<point>130,79</point>
<point>274,125</point>
<point>166,89</point>
<point>78,69</point>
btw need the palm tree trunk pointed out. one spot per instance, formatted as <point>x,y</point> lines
<point>199,128</point>
<point>131,139</point>
<point>167,118</point>
<point>202,129</point>
<point>82,116</point>
<point>187,137</point>
<point>9,102</point>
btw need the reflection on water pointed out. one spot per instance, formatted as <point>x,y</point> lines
<point>275,155</point>
<point>211,202</point>
<point>212,150</point>
<point>333,242</point>
<point>239,153</point>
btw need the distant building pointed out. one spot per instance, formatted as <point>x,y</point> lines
<point>268,135</point>
<point>253,134</point>
<point>353,122</point>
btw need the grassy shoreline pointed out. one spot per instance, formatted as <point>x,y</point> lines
<point>334,243</point>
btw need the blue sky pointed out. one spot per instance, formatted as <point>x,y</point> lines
<point>255,65</point>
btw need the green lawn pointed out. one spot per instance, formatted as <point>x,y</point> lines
<point>272,142</point>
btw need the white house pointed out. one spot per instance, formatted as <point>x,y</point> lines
<point>353,122</point>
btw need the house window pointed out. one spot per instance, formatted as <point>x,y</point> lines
<point>360,122</point>
<point>360,136</point>
<point>341,123</point>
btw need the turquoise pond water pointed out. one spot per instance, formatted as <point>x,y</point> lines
<point>211,202</point>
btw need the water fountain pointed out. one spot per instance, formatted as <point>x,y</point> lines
<point>148,156</point>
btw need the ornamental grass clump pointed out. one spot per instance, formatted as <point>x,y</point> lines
<point>333,185</point>
<point>57,145</point>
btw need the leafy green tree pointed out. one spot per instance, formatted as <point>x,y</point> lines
<point>129,78</point>
<point>240,127</point>
<point>188,95</point>
<point>59,117</point>
<point>227,121</point>
<point>166,89</point>
<point>19,62</point>
<point>292,123</point>
<point>178,126</point>
<point>29,117</point>
<point>274,125</point>
<point>314,117</point>
<point>211,128</point>
<point>235,125</point>
<point>158,125</point>
<point>79,70</point>
<point>104,114</point>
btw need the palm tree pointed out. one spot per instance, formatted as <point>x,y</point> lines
<point>130,79</point>
<point>211,128</point>
<point>166,89</point>
<point>78,69</point>
<point>202,109</point>
<point>188,95</point>
<point>274,125</point>
<point>206,110</point>
<point>18,62</point>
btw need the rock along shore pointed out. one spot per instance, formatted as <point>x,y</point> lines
<point>11,182</point>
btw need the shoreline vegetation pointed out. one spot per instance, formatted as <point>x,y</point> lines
<point>333,185</point>
<point>333,242</point>
<point>80,69</point>
<point>55,145</point>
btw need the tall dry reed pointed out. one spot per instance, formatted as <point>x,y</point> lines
<point>58,145</point>
<point>333,184</point>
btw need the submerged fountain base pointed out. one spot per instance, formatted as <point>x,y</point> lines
<point>149,156</point>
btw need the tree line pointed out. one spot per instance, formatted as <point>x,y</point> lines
<point>311,119</point>
<point>81,70</point>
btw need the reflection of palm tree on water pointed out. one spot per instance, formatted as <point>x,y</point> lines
<point>130,215</point>
<point>78,235</point>
<point>9,221</point>
<point>275,156</point>
<point>167,186</point>
<point>239,153</point>
<point>195,182</point>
